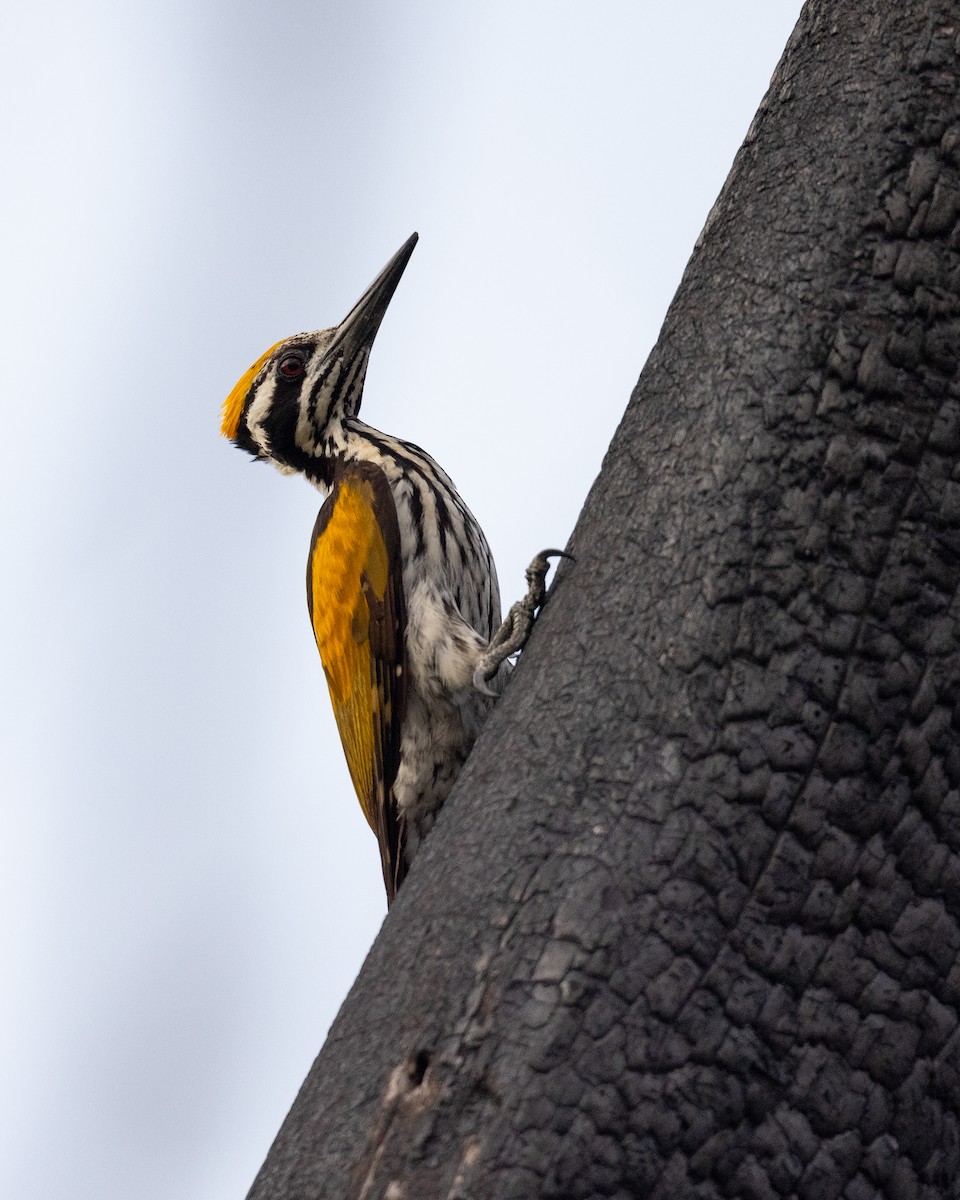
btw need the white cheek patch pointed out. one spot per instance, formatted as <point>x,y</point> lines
<point>259,408</point>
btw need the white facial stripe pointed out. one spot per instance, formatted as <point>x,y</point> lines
<point>259,407</point>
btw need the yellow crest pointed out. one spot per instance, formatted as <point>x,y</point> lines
<point>233,405</point>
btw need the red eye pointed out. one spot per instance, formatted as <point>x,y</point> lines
<point>291,365</point>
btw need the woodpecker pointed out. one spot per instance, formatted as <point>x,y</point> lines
<point>401,586</point>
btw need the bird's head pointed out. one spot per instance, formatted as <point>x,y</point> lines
<point>288,408</point>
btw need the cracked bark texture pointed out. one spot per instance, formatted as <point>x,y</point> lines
<point>689,925</point>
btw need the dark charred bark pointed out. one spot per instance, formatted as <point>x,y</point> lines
<point>689,925</point>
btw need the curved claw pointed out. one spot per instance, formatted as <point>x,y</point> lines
<point>536,575</point>
<point>481,685</point>
<point>541,562</point>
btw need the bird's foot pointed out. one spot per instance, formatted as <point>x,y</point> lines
<point>513,633</point>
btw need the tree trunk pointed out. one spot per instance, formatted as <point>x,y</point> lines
<point>689,925</point>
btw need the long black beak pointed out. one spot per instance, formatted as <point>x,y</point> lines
<point>359,327</point>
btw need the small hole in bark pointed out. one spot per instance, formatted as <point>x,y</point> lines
<point>418,1067</point>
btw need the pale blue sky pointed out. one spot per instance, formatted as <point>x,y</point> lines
<point>187,885</point>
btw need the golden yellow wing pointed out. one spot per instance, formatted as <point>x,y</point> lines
<point>355,597</point>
